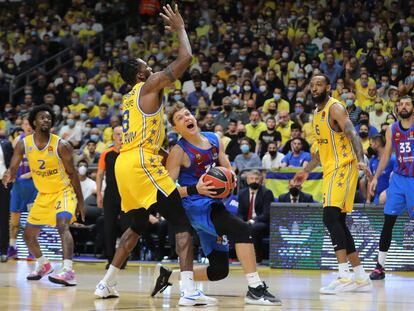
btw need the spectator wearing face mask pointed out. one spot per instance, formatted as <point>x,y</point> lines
<point>363,134</point>
<point>295,132</point>
<point>378,116</point>
<point>281,104</point>
<point>195,96</point>
<point>263,94</point>
<point>91,92</point>
<point>103,120</point>
<point>71,132</point>
<point>364,119</point>
<point>272,159</point>
<point>76,105</point>
<point>254,208</point>
<point>247,159</point>
<point>219,94</point>
<point>88,185</point>
<point>224,116</point>
<point>247,91</point>
<point>353,110</point>
<point>108,96</point>
<point>295,195</point>
<point>297,157</point>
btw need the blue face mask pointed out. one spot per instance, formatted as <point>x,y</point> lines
<point>276,96</point>
<point>349,102</point>
<point>344,96</point>
<point>117,104</point>
<point>94,137</point>
<point>177,97</point>
<point>71,122</point>
<point>394,71</point>
<point>84,116</point>
<point>292,88</point>
<point>220,86</point>
<point>298,110</point>
<point>364,83</point>
<point>244,148</point>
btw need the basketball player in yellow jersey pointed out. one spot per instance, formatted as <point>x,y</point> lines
<point>141,178</point>
<point>51,164</point>
<point>341,155</point>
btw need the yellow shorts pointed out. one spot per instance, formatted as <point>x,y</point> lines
<point>339,187</point>
<point>139,176</point>
<point>47,206</point>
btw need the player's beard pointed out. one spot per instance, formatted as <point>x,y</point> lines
<point>319,99</point>
<point>405,115</point>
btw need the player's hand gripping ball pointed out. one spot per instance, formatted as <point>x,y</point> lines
<point>222,179</point>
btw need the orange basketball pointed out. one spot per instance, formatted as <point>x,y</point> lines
<point>222,179</point>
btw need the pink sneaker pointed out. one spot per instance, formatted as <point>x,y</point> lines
<point>64,276</point>
<point>40,271</point>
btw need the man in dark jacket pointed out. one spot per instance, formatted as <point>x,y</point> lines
<point>295,195</point>
<point>254,208</point>
<point>6,152</point>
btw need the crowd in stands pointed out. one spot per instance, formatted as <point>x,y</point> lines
<point>249,78</point>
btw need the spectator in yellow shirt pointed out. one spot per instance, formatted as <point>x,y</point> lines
<point>76,105</point>
<point>89,62</point>
<point>92,108</point>
<point>283,126</point>
<point>108,132</point>
<point>277,98</point>
<point>255,127</point>
<point>108,96</point>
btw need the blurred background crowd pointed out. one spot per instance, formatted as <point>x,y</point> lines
<point>248,81</point>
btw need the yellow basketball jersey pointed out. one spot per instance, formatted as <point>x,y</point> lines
<point>48,173</point>
<point>141,130</point>
<point>335,149</point>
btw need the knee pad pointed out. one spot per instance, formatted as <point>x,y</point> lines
<point>331,219</point>
<point>138,220</point>
<point>218,268</point>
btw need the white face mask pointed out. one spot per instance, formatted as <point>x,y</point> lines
<point>82,170</point>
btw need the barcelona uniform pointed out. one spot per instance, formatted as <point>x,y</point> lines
<point>56,195</point>
<point>339,164</point>
<point>138,169</point>
<point>400,193</point>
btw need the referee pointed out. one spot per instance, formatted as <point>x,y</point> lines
<point>111,200</point>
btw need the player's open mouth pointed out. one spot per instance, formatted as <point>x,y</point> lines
<point>190,126</point>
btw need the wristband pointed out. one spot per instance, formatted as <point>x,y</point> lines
<point>192,190</point>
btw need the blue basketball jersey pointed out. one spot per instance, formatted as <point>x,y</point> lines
<point>403,144</point>
<point>24,165</point>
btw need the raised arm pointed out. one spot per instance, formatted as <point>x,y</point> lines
<point>65,152</point>
<point>385,158</point>
<point>174,23</point>
<point>10,174</point>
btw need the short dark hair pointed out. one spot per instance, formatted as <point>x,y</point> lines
<point>327,80</point>
<point>83,161</point>
<point>36,110</point>
<point>379,138</point>
<point>295,126</point>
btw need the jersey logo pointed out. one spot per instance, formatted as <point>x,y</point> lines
<point>323,115</point>
<point>50,150</point>
<point>29,149</point>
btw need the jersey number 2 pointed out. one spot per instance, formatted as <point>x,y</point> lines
<point>405,147</point>
<point>125,121</point>
<point>42,164</point>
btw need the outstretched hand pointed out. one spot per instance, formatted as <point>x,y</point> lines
<point>172,19</point>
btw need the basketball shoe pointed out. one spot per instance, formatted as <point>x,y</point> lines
<point>362,285</point>
<point>261,296</point>
<point>196,298</point>
<point>12,252</point>
<point>378,273</point>
<point>64,277</point>
<point>40,271</point>
<point>160,282</point>
<point>104,290</point>
<point>337,286</point>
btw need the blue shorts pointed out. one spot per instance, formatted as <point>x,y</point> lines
<point>400,195</point>
<point>22,194</point>
<point>198,210</point>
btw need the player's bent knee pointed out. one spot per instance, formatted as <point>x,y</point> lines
<point>331,214</point>
<point>138,220</point>
<point>243,234</point>
<point>218,268</point>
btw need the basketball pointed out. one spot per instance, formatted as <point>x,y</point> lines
<point>222,179</point>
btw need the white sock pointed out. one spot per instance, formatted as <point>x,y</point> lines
<point>343,270</point>
<point>359,272</point>
<point>254,279</point>
<point>187,281</point>
<point>41,260</point>
<point>174,277</point>
<point>67,264</point>
<point>110,276</point>
<point>382,256</point>
<point>12,243</point>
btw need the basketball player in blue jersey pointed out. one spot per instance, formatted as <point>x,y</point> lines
<point>23,192</point>
<point>400,194</point>
<point>188,161</point>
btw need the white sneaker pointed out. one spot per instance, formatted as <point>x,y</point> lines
<point>103,290</point>
<point>338,285</point>
<point>196,298</point>
<point>362,285</point>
